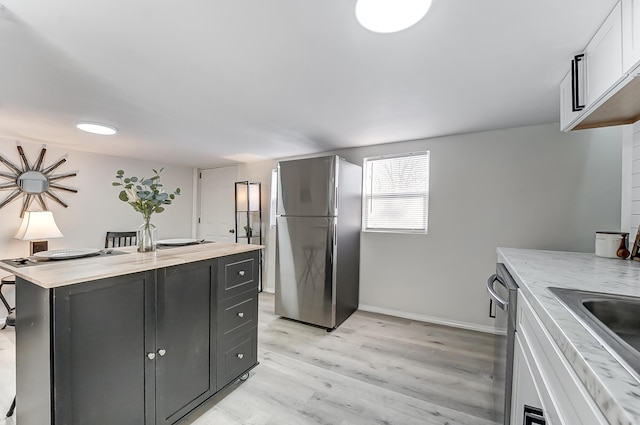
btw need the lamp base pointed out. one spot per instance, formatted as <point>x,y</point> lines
<point>39,246</point>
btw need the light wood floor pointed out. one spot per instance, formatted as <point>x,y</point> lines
<point>373,369</point>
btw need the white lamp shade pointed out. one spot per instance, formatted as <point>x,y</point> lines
<point>244,204</point>
<point>37,225</point>
<point>254,197</point>
<point>386,16</point>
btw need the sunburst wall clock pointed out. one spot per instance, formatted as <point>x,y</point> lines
<point>36,182</point>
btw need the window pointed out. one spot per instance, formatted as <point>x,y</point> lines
<point>396,193</point>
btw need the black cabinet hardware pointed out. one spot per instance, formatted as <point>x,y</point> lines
<point>576,105</point>
<point>533,416</point>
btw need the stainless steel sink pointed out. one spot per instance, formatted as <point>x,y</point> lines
<point>614,318</point>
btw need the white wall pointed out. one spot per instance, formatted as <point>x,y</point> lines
<point>95,209</point>
<point>261,171</point>
<point>626,179</point>
<point>634,183</point>
<point>530,187</point>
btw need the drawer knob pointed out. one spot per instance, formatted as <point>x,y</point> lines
<point>162,352</point>
<point>151,356</point>
<point>241,272</point>
<point>240,356</point>
<point>241,314</point>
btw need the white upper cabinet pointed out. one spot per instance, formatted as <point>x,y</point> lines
<point>569,110</point>
<point>612,75</point>
<point>630,34</point>
<point>603,56</point>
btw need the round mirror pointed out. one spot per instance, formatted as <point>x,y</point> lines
<point>33,182</point>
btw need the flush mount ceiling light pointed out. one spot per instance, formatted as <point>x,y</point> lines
<point>97,128</point>
<point>386,16</point>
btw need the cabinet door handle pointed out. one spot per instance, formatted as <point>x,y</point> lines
<point>151,356</point>
<point>241,272</point>
<point>241,314</point>
<point>533,416</point>
<point>575,83</point>
<point>162,352</point>
<point>533,419</point>
<point>240,356</point>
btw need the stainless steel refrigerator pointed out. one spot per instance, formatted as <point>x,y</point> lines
<point>318,218</point>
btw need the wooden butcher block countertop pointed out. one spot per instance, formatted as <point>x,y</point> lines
<point>57,273</point>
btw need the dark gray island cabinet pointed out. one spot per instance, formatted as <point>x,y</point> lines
<point>139,348</point>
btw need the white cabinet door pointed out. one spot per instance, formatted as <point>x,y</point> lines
<point>603,57</point>
<point>630,34</point>
<point>567,114</point>
<point>524,390</point>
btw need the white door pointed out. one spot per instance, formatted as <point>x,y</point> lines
<point>217,199</point>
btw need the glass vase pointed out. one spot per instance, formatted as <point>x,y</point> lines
<point>147,236</point>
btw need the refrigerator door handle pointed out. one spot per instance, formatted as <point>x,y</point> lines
<point>333,242</point>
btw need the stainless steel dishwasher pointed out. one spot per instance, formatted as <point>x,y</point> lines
<point>502,307</point>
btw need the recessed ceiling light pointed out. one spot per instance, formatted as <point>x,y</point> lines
<point>386,16</point>
<point>96,128</point>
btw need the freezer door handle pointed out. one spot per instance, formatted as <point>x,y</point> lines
<point>502,304</point>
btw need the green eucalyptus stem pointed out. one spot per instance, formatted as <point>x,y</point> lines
<point>147,196</point>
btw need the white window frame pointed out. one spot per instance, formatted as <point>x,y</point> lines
<point>366,196</point>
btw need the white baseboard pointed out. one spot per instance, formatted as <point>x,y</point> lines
<point>418,317</point>
<point>428,319</point>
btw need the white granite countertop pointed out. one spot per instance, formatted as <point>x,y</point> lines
<point>614,388</point>
<point>53,274</point>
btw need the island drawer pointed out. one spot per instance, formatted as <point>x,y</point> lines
<point>236,356</point>
<point>237,314</point>
<point>237,274</point>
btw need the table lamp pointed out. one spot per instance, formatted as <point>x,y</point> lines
<point>37,226</point>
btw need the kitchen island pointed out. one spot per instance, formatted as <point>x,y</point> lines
<point>595,376</point>
<point>133,338</point>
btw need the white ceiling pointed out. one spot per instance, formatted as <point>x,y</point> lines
<point>211,82</point>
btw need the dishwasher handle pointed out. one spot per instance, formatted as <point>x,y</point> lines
<point>493,295</point>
